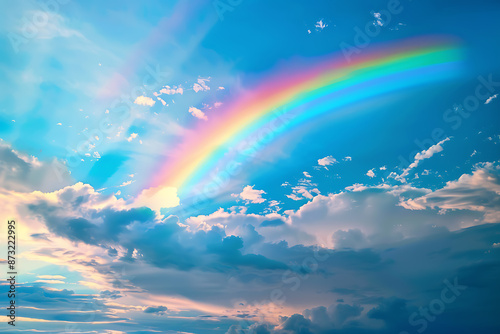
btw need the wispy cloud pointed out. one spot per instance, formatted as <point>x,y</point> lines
<point>491,98</point>
<point>424,154</point>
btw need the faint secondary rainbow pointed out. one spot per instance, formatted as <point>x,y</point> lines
<point>303,93</point>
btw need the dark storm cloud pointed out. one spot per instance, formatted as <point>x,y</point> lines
<point>156,309</point>
<point>161,243</point>
<point>24,173</point>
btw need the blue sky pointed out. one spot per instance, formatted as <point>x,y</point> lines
<point>351,222</point>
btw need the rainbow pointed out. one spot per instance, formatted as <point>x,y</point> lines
<point>302,93</point>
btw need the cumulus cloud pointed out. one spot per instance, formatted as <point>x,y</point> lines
<point>479,191</point>
<point>198,113</point>
<point>374,215</point>
<point>251,195</point>
<point>364,215</point>
<point>139,233</point>
<point>144,101</point>
<point>218,255</point>
<point>425,268</point>
<point>241,257</point>
<point>327,161</point>
<point>352,238</point>
<point>370,173</point>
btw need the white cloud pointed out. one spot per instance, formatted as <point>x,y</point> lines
<point>370,173</point>
<point>303,192</point>
<point>320,25</point>
<point>275,205</point>
<point>491,98</point>
<point>424,154</point>
<point>294,197</point>
<point>361,187</point>
<point>479,191</point>
<point>201,85</point>
<point>327,161</point>
<point>162,101</point>
<point>356,187</point>
<point>170,91</point>
<point>251,195</point>
<point>198,113</point>
<point>305,188</point>
<point>347,158</point>
<point>144,101</point>
<point>372,210</point>
<point>375,211</point>
<point>132,136</point>
<point>378,19</point>
<point>126,183</point>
